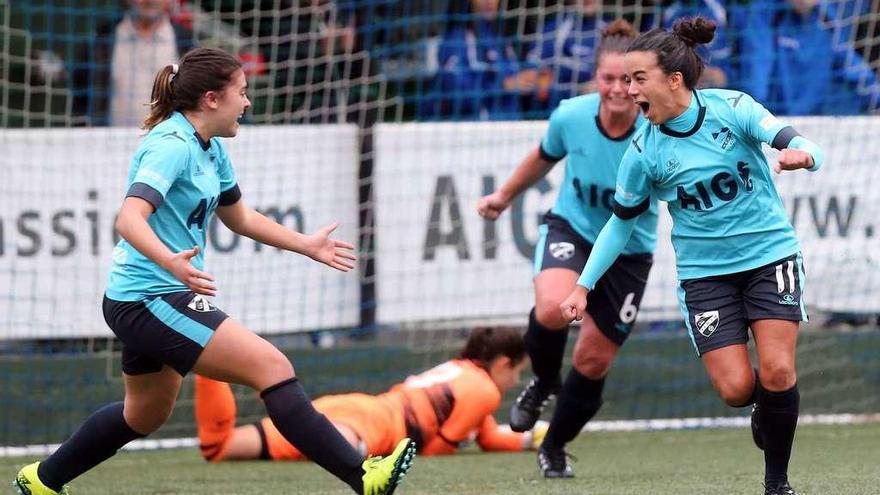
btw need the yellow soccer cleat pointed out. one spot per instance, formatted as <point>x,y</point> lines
<point>28,483</point>
<point>383,474</point>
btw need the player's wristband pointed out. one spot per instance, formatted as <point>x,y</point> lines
<point>803,144</point>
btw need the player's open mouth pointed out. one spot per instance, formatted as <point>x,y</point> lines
<point>644,105</point>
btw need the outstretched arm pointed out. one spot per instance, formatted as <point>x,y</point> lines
<point>248,222</point>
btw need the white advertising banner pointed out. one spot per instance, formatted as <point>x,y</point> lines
<point>60,192</point>
<point>438,261</point>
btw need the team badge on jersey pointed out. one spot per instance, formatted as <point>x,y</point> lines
<point>707,322</point>
<point>201,304</point>
<point>724,137</point>
<point>562,250</point>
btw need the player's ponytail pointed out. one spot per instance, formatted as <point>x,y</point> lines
<point>487,343</point>
<point>675,50</point>
<point>180,87</point>
<point>616,38</point>
<point>161,98</point>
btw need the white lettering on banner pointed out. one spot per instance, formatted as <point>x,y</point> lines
<point>61,189</point>
<point>438,261</point>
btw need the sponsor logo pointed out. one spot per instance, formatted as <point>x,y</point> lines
<point>707,322</point>
<point>768,122</point>
<point>201,304</point>
<point>672,164</point>
<point>725,138</point>
<point>789,300</point>
<point>562,250</point>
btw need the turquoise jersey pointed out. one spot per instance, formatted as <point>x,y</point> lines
<point>586,195</point>
<point>184,178</point>
<point>708,166</point>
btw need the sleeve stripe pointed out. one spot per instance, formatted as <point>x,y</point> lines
<point>628,212</point>
<point>547,156</point>
<point>147,193</point>
<point>230,196</point>
<point>784,137</point>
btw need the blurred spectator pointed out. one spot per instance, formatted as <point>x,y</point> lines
<point>479,75</point>
<point>717,52</point>
<point>565,51</point>
<point>317,68</point>
<point>788,60</point>
<point>113,73</point>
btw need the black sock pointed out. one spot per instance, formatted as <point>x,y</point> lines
<point>778,418</point>
<point>546,348</point>
<point>578,402</point>
<point>312,433</point>
<point>95,441</point>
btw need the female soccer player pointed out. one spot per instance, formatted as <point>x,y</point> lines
<point>156,298</point>
<point>439,409</point>
<point>739,261</point>
<point>593,131</point>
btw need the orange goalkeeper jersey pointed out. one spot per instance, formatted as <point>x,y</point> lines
<point>449,404</point>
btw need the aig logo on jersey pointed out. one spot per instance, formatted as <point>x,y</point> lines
<point>562,250</point>
<point>707,322</point>
<point>201,304</point>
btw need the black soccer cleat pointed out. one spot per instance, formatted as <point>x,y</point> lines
<point>530,404</point>
<point>779,489</point>
<point>756,427</point>
<point>553,463</point>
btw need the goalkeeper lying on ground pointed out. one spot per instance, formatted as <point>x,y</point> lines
<point>439,409</point>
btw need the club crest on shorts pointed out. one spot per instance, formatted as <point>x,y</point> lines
<point>707,322</point>
<point>562,250</point>
<point>201,304</point>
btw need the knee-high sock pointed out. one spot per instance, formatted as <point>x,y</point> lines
<point>778,417</point>
<point>312,433</point>
<point>578,402</point>
<point>96,440</point>
<point>215,417</point>
<point>546,348</point>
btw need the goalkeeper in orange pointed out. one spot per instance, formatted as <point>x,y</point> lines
<point>439,409</point>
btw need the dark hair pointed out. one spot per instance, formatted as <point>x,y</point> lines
<point>616,38</point>
<point>488,343</point>
<point>199,71</point>
<point>675,50</point>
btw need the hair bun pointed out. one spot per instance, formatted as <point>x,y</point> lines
<point>620,27</point>
<point>695,31</point>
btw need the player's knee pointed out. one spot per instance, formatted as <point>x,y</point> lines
<point>275,368</point>
<point>549,315</point>
<point>145,417</point>
<point>735,393</point>
<point>777,377</point>
<point>592,365</point>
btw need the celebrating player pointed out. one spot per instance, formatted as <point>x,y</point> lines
<point>439,409</point>
<point>156,298</point>
<point>739,261</point>
<point>593,131</point>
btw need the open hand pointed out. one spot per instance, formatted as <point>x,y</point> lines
<point>333,253</point>
<point>180,265</point>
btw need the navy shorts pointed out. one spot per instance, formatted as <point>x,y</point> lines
<point>170,329</point>
<point>614,302</point>
<point>718,310</point>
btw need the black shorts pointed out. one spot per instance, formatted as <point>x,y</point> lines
<point>170,329</point>
<point>718,310</point>
<point>614,302</point>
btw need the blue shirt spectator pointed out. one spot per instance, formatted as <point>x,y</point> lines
<point>784,41</point>
<point>479,74</point>
<point>717,53</point>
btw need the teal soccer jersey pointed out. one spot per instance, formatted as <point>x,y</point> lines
<point>707,164</point>
<point>184,178</point>
<point>586,195</point>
